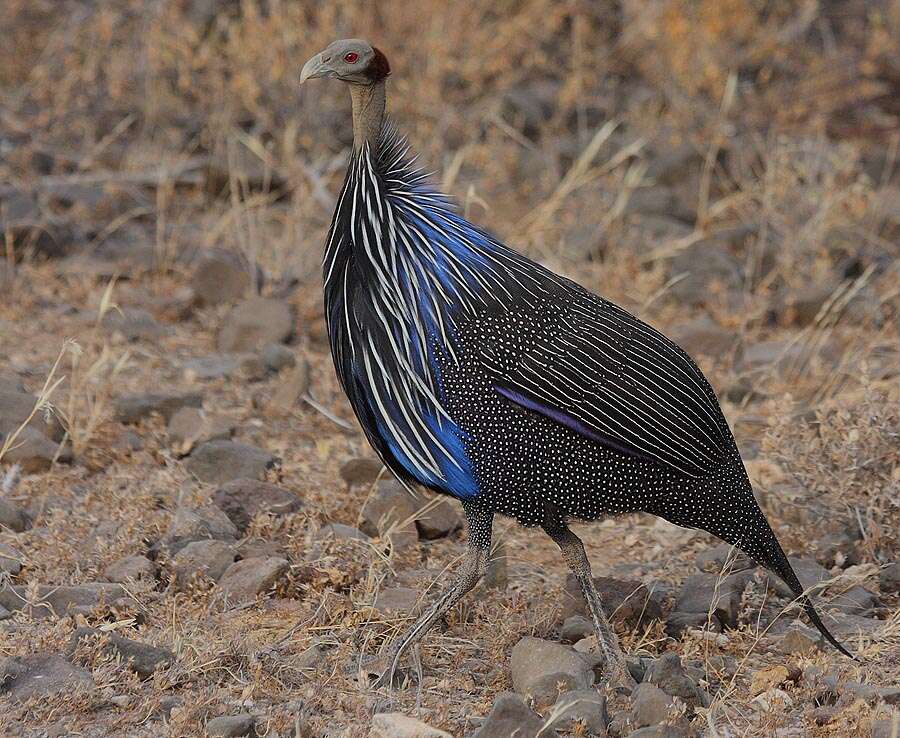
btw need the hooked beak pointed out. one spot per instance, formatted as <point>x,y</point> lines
<point>315,67</point>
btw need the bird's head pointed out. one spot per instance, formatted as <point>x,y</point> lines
<point>350,60</point>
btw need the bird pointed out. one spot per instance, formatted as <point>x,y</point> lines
<point>480,374</point>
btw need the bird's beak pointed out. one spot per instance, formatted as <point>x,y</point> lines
<point>314,68</point>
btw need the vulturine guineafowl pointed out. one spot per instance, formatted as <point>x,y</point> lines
<point>479,374</point>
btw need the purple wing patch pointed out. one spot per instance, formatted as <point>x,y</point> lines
<point>571,423</point>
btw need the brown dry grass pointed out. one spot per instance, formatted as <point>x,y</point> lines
<point>789,107</point>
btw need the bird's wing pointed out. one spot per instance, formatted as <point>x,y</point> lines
<point>608,376</point>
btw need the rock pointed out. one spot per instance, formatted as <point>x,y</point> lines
<point>838,548</point>
<point>575,628</point>
<point>220,277</point>
<point>218,462</point>
<point>766,679</point>
<point>811,574</point>
<point>255,323</point>
<point>497,574</point>
<point>13,517</point>
<point>706,266</point>
<point>277,356</point>
<point>340,532</point>
<point>390,512</point>
<point>510,716</point>
<point>397,725</point>
<point>364,470</point>
<point>10,560</point>
<point>141,658</point>
<point>243,499</point>
<point>197,524</point>
<point>678,623</point>
<point>213,366</point>
<point>136,568</point>
<point>15,407</point>
<point>191,426</point>
<point>134,324</point>
<point>800,640</point>
<point>855,601</point>
<point>35,453</point>
<point>886,728</point>
<point>23,678</point>
<point>847,625</point>
<point>676,730</point>
<point>801,307</point>
<point>47,601</point>
<point>629,602</point>
<point>132,408</point>
<point>541,669</point>
<point>290,389</point>
<point>714,560</point>
<point>4,614</point>
<point>402,599</point>
<point>231,726</point>
<point>889,578</point>
<point>667,673</point>
<point>202,558</point>
<point>712,593</point>
<point>650,705</point>
<point>438,518</point>
<point>703,336</point>
<point>246,579</point>
<point>583,707</point>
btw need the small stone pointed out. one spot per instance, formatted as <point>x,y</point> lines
<point>541,669</point>
<point>136,568</point>
<point>712,593</point>
<point>40,675</point>
<point>142,658</point>
<point>766,679</point>
<point>197,524</point>
<point>397,725</point>
<point>214,366</point>
<point>220,277</point>
<point>218,462</point>
<point>575,628</point>
<point>628,602</point>
<point>396,599</point>
<point>886,728</point>
<point>812,575</point>
<point>340,532</point>
<point>580,707</point>
<point>243,499</point>
<point>10,560</point>
<point>252,368</point>
<point>202,558</point>
<point>191,426</point>
<point>132,408</point>
<point>650,705</point>
<point>246,579</point>
<point>855,601</point>
<point>510,716</point>
<point>134,324</point>
<point>889,579</point>
<point>13,517</point>
<point>800,640</point>
<point>255,323</point>
<point>723,558</point>
<point>35,453</point>
<point>231,726</point>
<point>4,613</point>
<point>363,470</point>
<point>390,512</point>
<point>438,518</point>
<point>17,405</point>
<point>676,730</point>
<point>46,601</point>
<point>668,673</point>
<point>290,389</point>
<point>277,356</point>
<point>703,336</point>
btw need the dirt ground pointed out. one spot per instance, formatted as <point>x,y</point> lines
<point>726,170</point>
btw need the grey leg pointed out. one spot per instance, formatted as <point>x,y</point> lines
<point>470,572</point>
<point>573,552</point>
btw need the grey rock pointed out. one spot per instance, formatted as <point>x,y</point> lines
<point>889,578</point>
<point>40,675</point>
<point>668,673</point>
<point>847,625</point>
<point>255,323</point>
<point>243,499</point>
<point>246,579</point>
<point>231,726</point>
<point>800,640</point>
<point>629,602</point>
<point>192,426</point>
<point>583,707</point>
<point>677,730</point>
<point>705,264</point>
<point>575,628</point>
<point>13,517</point>
<point>134,324</point>
<point>510,716</point>
<point>886,727</point>
<point>15,407</point>
<point>137,568</point>
<point>291,388</point>
<point>277,356</point>
<point>220,277</point>
<point>10,560</point>
<point>856,601</point>
<point>340,532</point>
<point>218,462</point>
<point>703,336</point>
<point>441,519</point>
<point>714,560</point>
<point>202,558</point>
<point>4,613</point>
<point>142,658</point>
<point>650,705</point>
<point>540,669</point>
<point>390,512</point>
<point>810,573</point>
<point>132,408</point>
<point>362,470</point>
<point>837,548</point>
<point>213,366</point>
<point>397,725</point>
<point>197,524</point>
<point>391,599</point>
<point>705,593</point>
<point>59,600</point>
<point>35,453</point>
<point>497,574</point>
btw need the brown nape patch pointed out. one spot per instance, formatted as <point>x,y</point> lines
<point>378,67</point>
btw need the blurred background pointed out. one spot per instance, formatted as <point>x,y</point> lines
<point>725,169</point>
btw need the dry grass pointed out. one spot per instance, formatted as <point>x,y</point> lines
<point>173,130</point>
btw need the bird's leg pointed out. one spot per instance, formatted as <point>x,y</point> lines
<point>472,569</point>
<point>573,552</point>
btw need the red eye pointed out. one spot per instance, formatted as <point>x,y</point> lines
<point>351,57</point>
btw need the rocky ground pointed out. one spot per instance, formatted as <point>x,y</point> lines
<point>194,536</point>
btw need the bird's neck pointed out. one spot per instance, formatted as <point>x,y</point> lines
<point>368,112</point>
